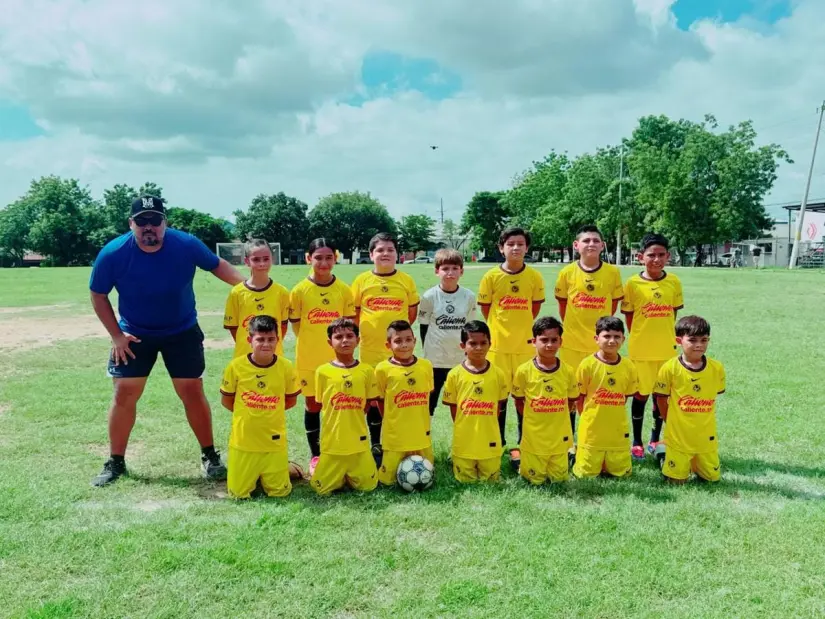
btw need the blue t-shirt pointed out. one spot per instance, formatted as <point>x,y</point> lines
<point>155,294</point>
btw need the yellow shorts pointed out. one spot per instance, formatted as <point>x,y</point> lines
<point>592,462</point>
<point>573,357</point>
<point>508,363</point>
<point>354,470</point>
<point>538,469</point>
<point>245,468</point>
<point>374,357</point>
<point>648,371</point>
<point>678,465</point>
<point>307,378</point>
<point>391,459</point>
<point>469,469</point>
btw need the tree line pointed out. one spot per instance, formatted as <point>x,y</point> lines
<point>690,181</point>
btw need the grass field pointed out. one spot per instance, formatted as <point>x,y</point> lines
<point>165,543</point>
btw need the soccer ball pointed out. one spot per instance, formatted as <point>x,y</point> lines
<point>415,473</point>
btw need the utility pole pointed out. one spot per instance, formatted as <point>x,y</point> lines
<point>442,211</point>
<point>801,218</point>
<point>619,227</point>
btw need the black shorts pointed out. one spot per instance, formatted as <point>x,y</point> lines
<point>182,355</point>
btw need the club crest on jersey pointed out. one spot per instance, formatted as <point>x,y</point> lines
<point>260,307</point>
<point>590,287</point>
<point>450,309</point>
<point>611,381</point>
<point>347,384</point>
<point>697,388</point>
<point>478,391</point>
<point>411,381</point>
<point>261,384</point>
<point>514,288</point>
<point>385,288</point>
<point>325,301</point>
<point>657,295</point>
<point>303,382</point>
<point>548,388</point>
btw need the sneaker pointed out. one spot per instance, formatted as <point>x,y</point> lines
<point>112,470</point>
<point>312,464</point>
<point>651,447</point>
<point>637,452</point>
<point>377,454</point>
<point>515,459</point>
<point>213,468</point>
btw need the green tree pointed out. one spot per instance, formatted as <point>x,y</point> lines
<point>485,217</point>
<point>278,218</point>
<point>15,223</point>
<point>208,229</point>
<point>451,234</point>
<point>350,219</point>
<point>416,233</point>
<point>114,213</point>
<point>152,189</point>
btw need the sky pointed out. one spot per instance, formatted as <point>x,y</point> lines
<point>309,98</point>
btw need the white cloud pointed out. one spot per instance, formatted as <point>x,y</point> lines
<point>217,106</point>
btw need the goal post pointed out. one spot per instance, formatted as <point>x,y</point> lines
<point>233,253</point>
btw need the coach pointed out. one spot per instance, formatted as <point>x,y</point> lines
<point>153,268</point>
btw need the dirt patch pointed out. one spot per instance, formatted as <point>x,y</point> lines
<point>223,343</point>
<point>34,308</point>
<point>26,333</point>
<point>4,408</point>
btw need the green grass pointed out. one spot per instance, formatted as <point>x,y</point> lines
<point>165,543</point>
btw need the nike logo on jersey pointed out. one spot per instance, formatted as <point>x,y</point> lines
<point>610,373</point>
<point>654,288</point>
<point>546,380</point>
<point>407,373</point>
<point>259,375</point>
<point>514,281</point>
<point>346,375</point>
<point>693,380</point>
<point>477,382</point>
<point>323,294</point>
<point>259,300</point>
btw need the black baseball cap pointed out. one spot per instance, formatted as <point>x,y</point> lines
<point>147,204</point>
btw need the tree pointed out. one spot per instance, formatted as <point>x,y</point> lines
<point>150,188</point>
<point>416,233</point>
<point>15,223</point>
<point>484,218</point>
<point>208,229</point>
<point>452,234</point>
<point>350,219</point>
<point>278,218</point>
<point>114,212</point>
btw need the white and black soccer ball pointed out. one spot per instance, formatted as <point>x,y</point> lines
<point>415,473</point>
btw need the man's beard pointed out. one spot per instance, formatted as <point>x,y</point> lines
<point>150,239</point>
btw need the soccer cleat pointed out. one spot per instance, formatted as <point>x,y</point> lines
<point>637,452</point>
<point>515,459</point>
<point>213,468</point>
<point>377,454</point>
<point>651,447</point>
<point>571,457</point>
<point>659,454</point>
<point>312,464</point>
<point>112,470</point>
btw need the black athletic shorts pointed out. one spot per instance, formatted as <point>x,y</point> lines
<point>182,355</point>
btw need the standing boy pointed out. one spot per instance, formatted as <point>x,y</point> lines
<point>404,383</point>
<point>474,392</point>
<point>257,389</point>
<point>686,391</point>
<point>545,391</point>
<point>605,380</point>
<point>651,300</point>
<point>444,310</point>
<point>510,296</point>
<point>381,296</point>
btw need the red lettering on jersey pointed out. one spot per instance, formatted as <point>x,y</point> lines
<point>407,399</point>
<point>384,304</point>
<point>605,397</point>
<point>245,322</point>
<point>477,407</point>
<point>342,401</point>
<point>657,310</point>
<point>582,300</point>
<point>260,402</point>
<point>548,405</point>
<point>509,302</point>
<point>322,317</point>
<point>692,404</point>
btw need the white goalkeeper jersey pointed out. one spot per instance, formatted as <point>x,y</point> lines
<point>445,313</point>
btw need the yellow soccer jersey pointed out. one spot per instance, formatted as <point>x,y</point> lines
<point>405,390</point>
<point>382,299</point>
<point>605,388</point>
<point>510,297</point>
<point>244,303</point>
<point>314,307</point>
<point>589,296</point>
<point>691,414</point>
<point>547,395</point>
<point>476,395</point>
<point>258,419</point>
<point>343,393</point>
<point>653,305</point>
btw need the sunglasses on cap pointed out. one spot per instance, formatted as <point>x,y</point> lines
<point>148,219</point>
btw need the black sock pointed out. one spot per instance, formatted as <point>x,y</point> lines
<point>656,433</point>
<point>117,459</point>
<point>573,423</point>
<point>209,451</point>
<point>520,424</point>
<point>637,417</point>
<point>312,425</point>
<point>374,424</point>
<point>502,420</point>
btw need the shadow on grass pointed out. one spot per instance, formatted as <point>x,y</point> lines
<point>745,466</point>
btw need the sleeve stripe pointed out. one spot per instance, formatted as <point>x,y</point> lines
<point>484,304</point>
<point>628,312</point>
<point>558,298</point>
<point>539,300</point>
<point>411,305</point>
<point>678,308</point>
<point>230,326</point>
<point>518,397</point>
<point>225,393</point>
<point>294,395</point>
<point>294,320</point>
<point>663,395</point>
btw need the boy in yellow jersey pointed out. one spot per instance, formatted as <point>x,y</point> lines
<point>404,385</point>
<point>313,304</point>
<point>651,301</point>
<point>686,390</point>
<point>545,391</point>
<point>381,296</point>
<point>257,295</point>
<point>605,380</point>
<point>585,290</point>
<point>510,296</point>
<point>474,391</point>
<point>345,387</point>
<point>257,388</point>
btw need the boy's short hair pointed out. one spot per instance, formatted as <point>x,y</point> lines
<point>263,324</point>
<point>397,326</point>
<point>340,324</point>
<point>253,244</point>
<point>513,231</point>
<point>547,323</point>
<point>448,256</point>
<point>474,326</point>
<point>589,229</point>
<point>695,326</point>
<point>609,323</point>
<point>386,237</point>
<point>651,238</point>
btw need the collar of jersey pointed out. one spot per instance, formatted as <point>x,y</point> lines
<point>690,369</point>
<point>402,365</point>
<point>600,360</point>
<point>344,367</point>
<point>477,372</point>
<point>390,274</point>
<point>257,365</point>
<point>519,272</point>
<point>579,264</point>
<point>542,370</point>
<point>248,287</point>
<point>642,276</point>
<point>457,288</point>
<point>309,277</point>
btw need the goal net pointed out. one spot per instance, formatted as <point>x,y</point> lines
<point>233,253</point>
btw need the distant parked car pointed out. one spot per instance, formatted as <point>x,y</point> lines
<point>363,260</point>
<point>422,260</point>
